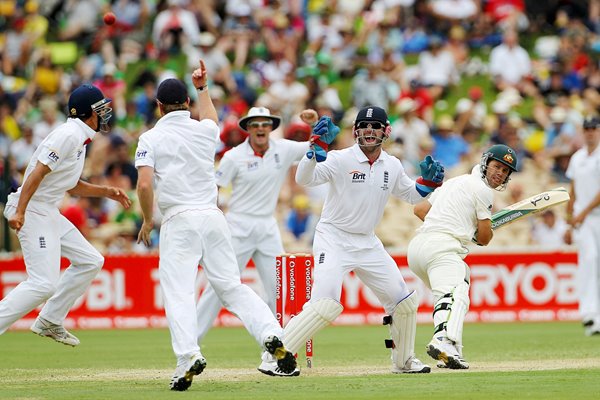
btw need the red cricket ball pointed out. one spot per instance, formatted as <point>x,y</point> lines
<point>109,18</point>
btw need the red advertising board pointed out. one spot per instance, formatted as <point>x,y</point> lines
<point>512,286</point>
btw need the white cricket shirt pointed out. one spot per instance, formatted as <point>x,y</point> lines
<point>63,151</point>
<point>256,180</point>
<point>584,171</point>
<point>358,191</point>
<point>457,205</point>
<point>182,152</point>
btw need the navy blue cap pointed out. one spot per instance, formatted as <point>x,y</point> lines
<point>172,91</point>
<point>372,113</point>
<point>82,99</point>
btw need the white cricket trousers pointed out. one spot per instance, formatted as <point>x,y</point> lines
<point>192,236</point>
<point>588,268</point>
<point>337,252</point>
<point>44,237</point>
<point>437,259</point>
<point>256,238</point>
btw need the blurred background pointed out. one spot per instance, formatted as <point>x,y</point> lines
<point>456,76</point>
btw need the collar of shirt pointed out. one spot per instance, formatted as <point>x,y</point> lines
<point>87,131</point>
<point>250,151</point>
<point>172,115</point>
<point>361,157</point>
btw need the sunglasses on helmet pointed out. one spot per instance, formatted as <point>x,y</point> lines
<point>370,125</point>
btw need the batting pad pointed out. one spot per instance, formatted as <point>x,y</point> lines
<point>403,329</point>
<point>314,317</point>
<point>458,311</point>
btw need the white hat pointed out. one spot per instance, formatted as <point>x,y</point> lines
<point>109,69</point>
<point>406,105</point>
<point>558,115</point>
<point>262,112</point>
<point>500,106</point>
<point>205,39</point>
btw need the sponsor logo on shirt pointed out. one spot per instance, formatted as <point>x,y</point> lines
<point>79,154</point>
<point>358,176</point>
<point>141,154</point>
<point>252,165</point>
<point>53,156</point>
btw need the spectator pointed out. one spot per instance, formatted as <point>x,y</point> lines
<point>22,149</point>
<point>51,119</point>
<point>409,130</point>
<point>437,69</point>
<point>173,27</point>
<point>450,148</point>
<point>548,230</point>
<point>510,65</point>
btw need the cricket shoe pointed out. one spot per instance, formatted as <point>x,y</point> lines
<point>286,361</point>
<point>443,349</point>
<point>591,327</point>
<point>184,374</point>
<point>412,366</point>
<point>57,332</point>
<point>269,366</point>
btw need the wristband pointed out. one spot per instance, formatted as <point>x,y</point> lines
<point>202,88</point>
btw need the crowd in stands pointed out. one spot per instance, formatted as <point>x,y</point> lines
<point>455,76</point>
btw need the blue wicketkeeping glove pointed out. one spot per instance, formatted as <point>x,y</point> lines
<point>432,176</point>
<point>324,132</point>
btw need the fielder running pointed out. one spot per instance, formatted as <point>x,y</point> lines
<point>455,215</point>
<point>256,169</point>
<point>178,156</point>
<point>45,234</point>
<point>361,178</point>
<point>583,214</point>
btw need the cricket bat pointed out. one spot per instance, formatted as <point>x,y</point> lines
<point>530,206</point>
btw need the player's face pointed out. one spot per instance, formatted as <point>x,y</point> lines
<point>369,134</point>
<point>259,130</point>
<point>496,173</point>
<point>591,137</point>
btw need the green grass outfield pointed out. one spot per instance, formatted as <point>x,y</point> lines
<point>508,361</point>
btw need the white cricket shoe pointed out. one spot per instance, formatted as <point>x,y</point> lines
<point>184,373</point>
<point>591,327</point>
<point>443,349</point>
<point>412,366</point>
<point>46,328</point>
<point>286,361</point>
<point>269,366</point>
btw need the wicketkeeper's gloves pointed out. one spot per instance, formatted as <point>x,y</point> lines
<point>323,134</point>
<point>432,176</point>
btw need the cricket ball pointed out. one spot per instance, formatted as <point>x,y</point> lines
<point>109,18</point>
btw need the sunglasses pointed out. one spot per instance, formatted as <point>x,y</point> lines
<point>263,124</point>
<point>370,125</point>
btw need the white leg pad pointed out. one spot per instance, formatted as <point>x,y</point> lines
<point>403,329</point>
<point>460,306</point>
<point>314,317</point>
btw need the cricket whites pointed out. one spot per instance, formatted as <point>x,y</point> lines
<point>529,206</point>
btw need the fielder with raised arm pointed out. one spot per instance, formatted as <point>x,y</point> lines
<point>455,215</point>
<point>178,155</point>
<point>256,170</point>
<point>362,178</point>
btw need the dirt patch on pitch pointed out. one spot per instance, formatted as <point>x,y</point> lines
<point>223,374</point>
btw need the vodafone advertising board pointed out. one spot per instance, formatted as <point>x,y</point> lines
<point>511,286</point>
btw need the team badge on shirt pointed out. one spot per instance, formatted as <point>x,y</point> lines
<point>386,180</point>
<point>358,176</point>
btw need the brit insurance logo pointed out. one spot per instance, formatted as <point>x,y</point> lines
<point>358,176</point>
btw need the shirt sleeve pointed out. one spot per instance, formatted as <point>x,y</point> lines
<point>483,203</point>
<point>56,149</point>
<point>310,173</point>
<point>144,154</point>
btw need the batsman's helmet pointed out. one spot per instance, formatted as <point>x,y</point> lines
<point>500,153</point>
<point>86,99</point>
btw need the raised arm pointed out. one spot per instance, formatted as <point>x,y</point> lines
<point>207,108</point>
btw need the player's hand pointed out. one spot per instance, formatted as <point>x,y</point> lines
<point>568,236</point>
<point>577,220</point>
<point>432,171</point>
<point>16,221</point>
<point>309,116</point>
<point>118,194</point>
<point>144,234</point>
<point>199,77</point>
<point>326,130</point>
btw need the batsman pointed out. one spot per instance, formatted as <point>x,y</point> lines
<point>361,179</point>
<point>455,215</point>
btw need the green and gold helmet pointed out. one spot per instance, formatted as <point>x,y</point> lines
<point>500,153</point>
